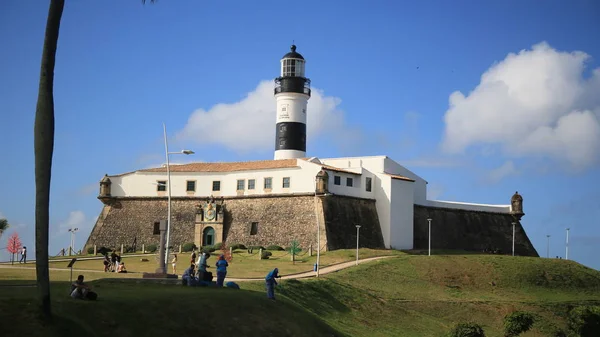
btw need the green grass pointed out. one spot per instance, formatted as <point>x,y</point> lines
<point>243,265</point>
<point>409,295</point>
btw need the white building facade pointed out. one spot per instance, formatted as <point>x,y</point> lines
<point>394,188</point>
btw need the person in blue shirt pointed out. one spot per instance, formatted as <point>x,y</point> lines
<point>221,270</point>
<point>188,276</point>
<point>271,283</point>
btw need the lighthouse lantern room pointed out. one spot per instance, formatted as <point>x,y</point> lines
<point>292,91</point>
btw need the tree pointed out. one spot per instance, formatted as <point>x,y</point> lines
<point>3,226</point>
<point>294,249</point>
<point>43,142</point>
<point>14,245</point>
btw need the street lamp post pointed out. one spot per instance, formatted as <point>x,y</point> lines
<point>513,241</point>
<point>429,220</point>
<point>167,153</point>
<point>567,246</point>
<point>73,231</point>
<point>357,236</point>
<point>548,246</point>
<point>318,233</point>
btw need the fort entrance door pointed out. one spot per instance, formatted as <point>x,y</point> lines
<point>208,236</point>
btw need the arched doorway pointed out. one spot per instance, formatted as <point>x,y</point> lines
<point>208,236</point>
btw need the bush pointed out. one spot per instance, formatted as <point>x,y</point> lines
<point>207,249</point>
<point>90,250</point>
<point>265,255</point>
<point>188,247</point>
<point>585,320</point>
<point>237,246</point>
<point>129,249</point>
<point>151,248</point>
<point>517,323</point>
<point>466,330</point>
<point>275,248</point>
<point>218,246</point>
<point>256,247</point>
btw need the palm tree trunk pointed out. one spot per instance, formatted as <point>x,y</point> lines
<point>44,146</point>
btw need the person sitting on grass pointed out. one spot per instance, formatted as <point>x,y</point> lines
<point>188,276</point>
<point>121,268</point>
<point>221,270</point>
<point>271,283</point>
<point>81,290</point>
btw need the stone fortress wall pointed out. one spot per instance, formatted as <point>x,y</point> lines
<point>460,229</point>
<point>281,219</point>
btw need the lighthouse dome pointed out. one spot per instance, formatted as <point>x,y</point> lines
<point>293,54</point>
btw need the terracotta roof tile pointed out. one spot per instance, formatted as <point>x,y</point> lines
<point>395,176</point>
<point>228,167</point>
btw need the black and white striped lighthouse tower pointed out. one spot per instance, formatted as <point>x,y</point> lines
<point>292,91</point>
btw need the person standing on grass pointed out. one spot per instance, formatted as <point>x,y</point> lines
<point>221,270</point>
<point>106,262</point>
<point>271,283</point>
<point>23,255</point>
<point>113,259</point>
<point>194,255</point>
<point>117,263</point>
<point>174,263</point>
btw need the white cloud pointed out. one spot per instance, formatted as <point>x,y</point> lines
<point>75,219</point>
<point>535,103</point>
<point>249,125</point>
<point>501,172</point>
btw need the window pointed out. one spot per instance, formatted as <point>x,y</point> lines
<point>254,228</point>
<point>286,182</point>
<point>268,183</point>
<point>156,228</point>
<point>251,183</point>
<point>241,184</point>
<point>161,185</point>
<point>368,184</point>
<point>349,182</point>
<point>191,186</point>
<point>337,180</point>
<point>282,142</point>
<point>216,185</point>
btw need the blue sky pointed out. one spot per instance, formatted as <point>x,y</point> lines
<point>429,83</point>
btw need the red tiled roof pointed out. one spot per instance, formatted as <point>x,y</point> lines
<point>228,167</point>
<point>333,168</point>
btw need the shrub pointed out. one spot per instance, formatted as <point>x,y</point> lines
<point>265,255</point>
<point>275,248</point>
<point>585,320</point>
<point>466,330</point>
<point>208,249</point>
<point>129,249</point>
<point>256,247</point>
<point>237,246</point>
<point>517,323</point>
<point>218,246</point>
<point>188,247</point>
<point>90,250</point>
<point>151,248</point>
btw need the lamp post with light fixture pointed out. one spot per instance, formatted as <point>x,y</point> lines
<point>72,231</point>
<point>429,220</point>
<point>357,237</point>
<point>167,153</point>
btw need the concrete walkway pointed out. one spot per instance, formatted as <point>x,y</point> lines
<point>307,274</point>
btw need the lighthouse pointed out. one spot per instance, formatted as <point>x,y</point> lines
<point>292,91</point>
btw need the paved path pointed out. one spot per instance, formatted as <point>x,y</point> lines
<point>322,271</point>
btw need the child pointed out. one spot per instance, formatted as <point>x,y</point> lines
<point>174,263</point>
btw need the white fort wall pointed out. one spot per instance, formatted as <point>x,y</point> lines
<point>145,183</point>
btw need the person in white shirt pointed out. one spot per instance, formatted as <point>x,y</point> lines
<point>23,255</point>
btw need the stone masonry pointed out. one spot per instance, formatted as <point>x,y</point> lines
<point>281,219</point>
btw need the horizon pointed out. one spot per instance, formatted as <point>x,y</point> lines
<point>479,99</point>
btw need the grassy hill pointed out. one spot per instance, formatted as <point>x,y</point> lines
<point>409,295</point>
